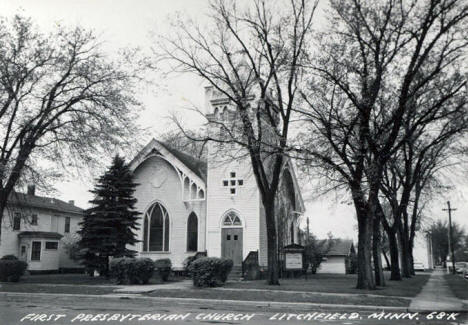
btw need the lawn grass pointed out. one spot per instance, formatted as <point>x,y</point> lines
<point>82,279</point>
<point>60,289</point>
<point>339,283</point>
<point>210,293</point>
<point>458,285</point>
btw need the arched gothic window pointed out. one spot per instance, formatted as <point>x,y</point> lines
<point>192,233</point>
<point>156,229</point>
<point>292,233</point>
<point>232,219</point>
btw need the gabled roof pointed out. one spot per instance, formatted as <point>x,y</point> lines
<point>339,247</point>
<point>198,166</point>
<point>180,159</point>
<point>47,203</point>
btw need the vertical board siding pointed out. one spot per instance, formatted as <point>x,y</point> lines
<point>160,182</point>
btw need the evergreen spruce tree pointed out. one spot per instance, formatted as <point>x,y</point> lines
<point>108,226</point>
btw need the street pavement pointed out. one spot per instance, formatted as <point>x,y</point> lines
<point>28,309</point>
<point>434,305</point>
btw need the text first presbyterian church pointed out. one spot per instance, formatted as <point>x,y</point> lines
<point>213,206</point>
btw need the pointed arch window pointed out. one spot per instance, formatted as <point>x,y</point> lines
<point>156,229</point>
<point>232,219</point>
<point>192,233</point>
<point>292,233</point>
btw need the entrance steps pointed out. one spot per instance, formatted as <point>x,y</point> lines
<point>235,274</point>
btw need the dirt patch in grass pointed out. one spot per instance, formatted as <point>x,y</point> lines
<point>281,297</point>
<point>339,283</point>
<point>458,285</point>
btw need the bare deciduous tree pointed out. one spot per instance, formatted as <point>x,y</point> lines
<point>253,56</point>
<point>376,56</point>
<point>62,100</point>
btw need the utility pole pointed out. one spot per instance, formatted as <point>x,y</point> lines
<point>450,236</point>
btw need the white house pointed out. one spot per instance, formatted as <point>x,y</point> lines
<point>211,206</point>
<point>36,229</point>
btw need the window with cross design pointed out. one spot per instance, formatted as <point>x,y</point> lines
<point>232,183</point>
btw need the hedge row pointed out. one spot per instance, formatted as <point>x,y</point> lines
<point>128,270</point>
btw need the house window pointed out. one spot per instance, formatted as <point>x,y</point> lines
<point>51,245</point>
<point>36,251</point>
<point>67,224</point>
<point>17,221</point>
<point>34,220</point>
<point>192,233</point>
<point>156,229</point>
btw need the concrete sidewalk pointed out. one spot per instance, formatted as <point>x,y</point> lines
<point>182,285</point>
<point>436,296</point>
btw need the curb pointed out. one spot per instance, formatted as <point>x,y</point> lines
<point>220,303</point>
<point>318,293</point>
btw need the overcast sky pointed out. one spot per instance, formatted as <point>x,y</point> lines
<point>122,23</point>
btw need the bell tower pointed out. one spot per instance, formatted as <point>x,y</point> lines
<point>232,192</point>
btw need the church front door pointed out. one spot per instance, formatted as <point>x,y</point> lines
<point>231,244</point>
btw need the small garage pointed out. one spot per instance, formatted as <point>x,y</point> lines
<point>338,254</point>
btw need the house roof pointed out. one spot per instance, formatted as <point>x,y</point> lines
<point>339,247</point>
<point>197,166</point>
<point>41,202</point>
<point>40,234</point>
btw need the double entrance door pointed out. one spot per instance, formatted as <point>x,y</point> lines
<point>231,244</point>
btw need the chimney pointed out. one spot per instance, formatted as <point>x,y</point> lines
<point>71,202</point>
<point>31,189</point>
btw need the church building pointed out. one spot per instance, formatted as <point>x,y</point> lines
<point>211,206</point>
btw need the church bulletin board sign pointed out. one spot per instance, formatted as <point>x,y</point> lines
<point>293,261</point>
<point>293,257</point>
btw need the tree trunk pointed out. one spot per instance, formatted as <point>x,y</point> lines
<point>3,203</point>
<point>272,244</point>
<point>387,261</point>
<point>377,252</point>
<point>405,270</point>
<point>106,269</point>
<point>365,277</point>
<point>395,261</point>
<point>411,262</point>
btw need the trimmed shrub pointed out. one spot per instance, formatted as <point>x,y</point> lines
<point>11,269</point>
<point>9,257</point>
<point>210,271</point>
<point>128,270</point>
<point>163,266</point>
<point>187,262</point>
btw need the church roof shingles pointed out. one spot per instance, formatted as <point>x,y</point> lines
<point>197,166</point>
<point>339,247</point>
